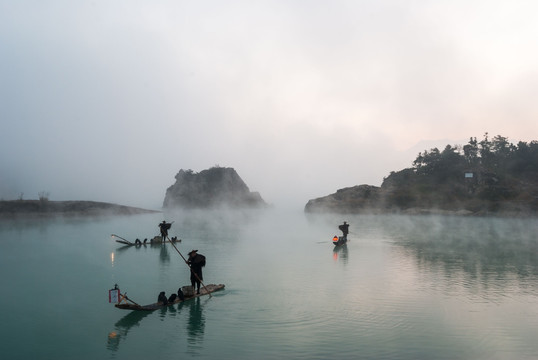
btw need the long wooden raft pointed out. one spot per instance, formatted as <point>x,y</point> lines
<point>210,289</point>
<point>157,240</point>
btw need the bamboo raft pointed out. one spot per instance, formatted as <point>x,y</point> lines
<point>157,240</point>
<point>131,305</point>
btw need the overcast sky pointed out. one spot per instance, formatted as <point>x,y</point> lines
<point>108,100</point>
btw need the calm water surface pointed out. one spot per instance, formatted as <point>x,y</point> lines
<point>403,288</point>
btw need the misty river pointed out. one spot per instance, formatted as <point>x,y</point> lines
<point>404,287</point>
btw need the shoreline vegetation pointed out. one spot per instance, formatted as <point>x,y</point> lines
<point>13,208</point>
<point>492,177</point>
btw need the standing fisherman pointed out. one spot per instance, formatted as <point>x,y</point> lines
<point>345,229</point>
<point>196,262</point>
<point>164,226</point>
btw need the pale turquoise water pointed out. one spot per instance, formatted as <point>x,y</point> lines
<point>404,288</point>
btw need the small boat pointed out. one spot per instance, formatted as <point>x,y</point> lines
<point>341,241</point>
<point>206,290</point>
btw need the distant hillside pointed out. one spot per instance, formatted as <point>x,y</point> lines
<point>492,176</point>
<point>214,187</point>
<point>47,207</point>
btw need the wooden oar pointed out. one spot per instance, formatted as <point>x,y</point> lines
<point>120,238</point>
<point>124,296</point>
<point>186,262</point>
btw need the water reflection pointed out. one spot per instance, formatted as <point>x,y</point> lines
<point>169,311</point>
<point>196,325</point>
<point>124,248</point>
<point>341,253</point>
<point>487,251</point>
<point>122,328</point>
<point>164,254</point>
<point>218,225</point>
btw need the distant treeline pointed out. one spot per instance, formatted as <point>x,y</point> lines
<point>491,174</point>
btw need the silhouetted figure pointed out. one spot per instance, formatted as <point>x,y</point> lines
<point>345,229</point>
<point>196,262</point>
<point>180,294</point>
<point>162,298</point>
<point>164,226</point>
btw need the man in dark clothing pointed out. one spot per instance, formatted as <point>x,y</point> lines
<point>345,229</point>
<point>196,262</point>
<point>164,226</point>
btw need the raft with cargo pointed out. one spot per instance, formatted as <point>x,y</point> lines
<point>157,240</point>
<point>187,293</point>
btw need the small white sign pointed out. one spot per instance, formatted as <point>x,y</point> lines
<point>114,296</point>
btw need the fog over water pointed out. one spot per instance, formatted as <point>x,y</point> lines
<point>404,287</point>
<point>106,101</point>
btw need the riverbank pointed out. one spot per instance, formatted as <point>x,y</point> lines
<point>12,208</point>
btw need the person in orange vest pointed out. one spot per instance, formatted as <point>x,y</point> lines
<point>335,238</point>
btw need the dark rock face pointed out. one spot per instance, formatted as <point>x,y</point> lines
<point>214,187</point>
<point>352,199</point>
<point>408,200</point>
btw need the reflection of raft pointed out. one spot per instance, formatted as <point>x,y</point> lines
<point>210,289</point>
<point>341,241</point>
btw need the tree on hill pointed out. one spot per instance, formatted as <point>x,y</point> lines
<point>491,170</point>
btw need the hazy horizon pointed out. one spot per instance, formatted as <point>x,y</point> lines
<point>107,101</point>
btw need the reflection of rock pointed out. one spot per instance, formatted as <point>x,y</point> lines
<point>480,247</point>
<point>210,188</point>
